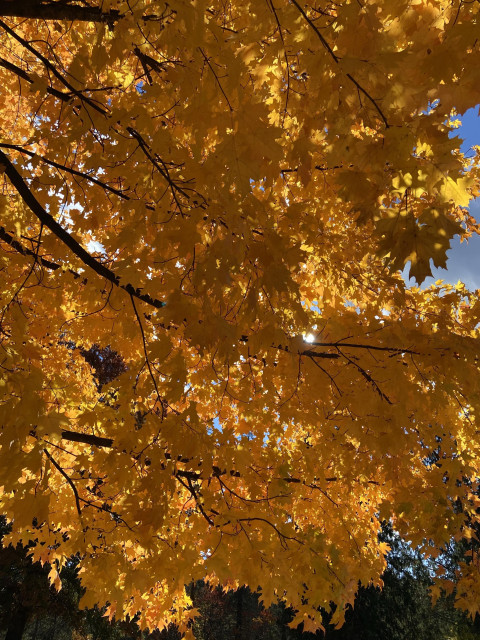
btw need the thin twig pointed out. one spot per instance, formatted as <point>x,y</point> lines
<point>336,59</point>
<point>145,351</point>
<point>70,170</point>
<point>216,78</point>
<point>68,479</point>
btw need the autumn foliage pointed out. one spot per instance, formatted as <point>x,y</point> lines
<point>221,197</point>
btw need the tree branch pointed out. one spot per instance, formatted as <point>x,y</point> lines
<point>336,59</point>
<point>361,346</point>
<point>51,67</point>
<point>62,167</point>
<point>59,10</point>
<point>307,352</point>
<point>98,441</point>
<point>48,264</point>
<point>188,485</point>
<point>65,97</point>
<point>36,9</point>
<point>63,235</point>
<point>68,479</point>
<point>87,438</point>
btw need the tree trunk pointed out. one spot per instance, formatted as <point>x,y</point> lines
<point>239,629</point>
<point>35,629</point>
<point>54,630</point>
<point>17,624</point>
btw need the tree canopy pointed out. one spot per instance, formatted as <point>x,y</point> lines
<point>212,365</point>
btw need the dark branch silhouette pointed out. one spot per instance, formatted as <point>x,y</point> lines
<point>65,97</point>
<point>66,11</point>
<point>62,167</point>
<point>37,9</point>
<point>87,438</point>
<point>336,59</point>
<point>63,235</point>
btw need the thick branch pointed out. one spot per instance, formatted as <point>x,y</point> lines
<point>24,251</point>
<point>87,438</point>
<point>188,485</point>
<point>60,10</point>
<point>52,68</point>
<point>63,235</point>
<point>315,354</point>
<point>65,97</point>
<point>36,9</point>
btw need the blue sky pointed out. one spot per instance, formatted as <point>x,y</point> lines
<point>464,259</point>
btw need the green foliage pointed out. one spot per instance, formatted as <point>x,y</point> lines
<point>31,607</point>
<point>403,609</point>
<point>26,596</point>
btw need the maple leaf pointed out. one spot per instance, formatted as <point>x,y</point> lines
<point>187,192</point>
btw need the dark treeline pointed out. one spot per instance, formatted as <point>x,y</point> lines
<point>32,610</point>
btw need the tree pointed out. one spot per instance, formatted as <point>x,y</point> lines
<point>26,595</point>
<point>223,194</point>
<point>403,608</point>
<point>31,607</point>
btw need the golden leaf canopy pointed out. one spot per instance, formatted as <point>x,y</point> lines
<point>211,364</point>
